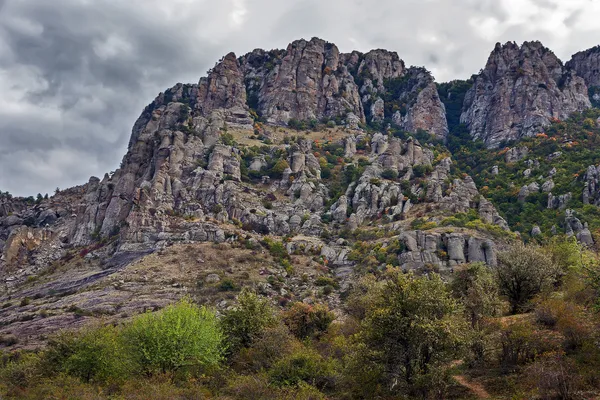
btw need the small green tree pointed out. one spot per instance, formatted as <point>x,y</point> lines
<point>412,328</point>
<point>476,288</point>
<point>306,320</point>
<point>277,171</point>
<point>180,336</point>
<point>389,174</point>
<point>524,271</point>
<point>478,292</point>
<point>91,354</point>
<point>247,321</point>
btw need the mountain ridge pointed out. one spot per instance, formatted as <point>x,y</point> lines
<point>319,152</point>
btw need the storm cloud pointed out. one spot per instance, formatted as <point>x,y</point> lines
<point>75,74</point>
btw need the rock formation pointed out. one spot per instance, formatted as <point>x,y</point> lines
<point>218,162</point>
<point>586,64</point>
<point>519,91</point>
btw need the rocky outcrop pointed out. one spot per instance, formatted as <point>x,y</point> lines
<point>306,81</point>
<point>311,80</point>
<point>587,65</point>
<point>420,105</point>
<point>444,251</point>
<point>591,189</point>
<point>559,202</point>
<point>574,227</point>
<point>519,91</point>
<point>224,89</point>
<point>515,154</point>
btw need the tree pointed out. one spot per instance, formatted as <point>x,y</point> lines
<point>91,354</point>
<point>411,329</point>
<point>277,170</point>
<point>305,320</point>
<point>244,323</point>
<point>524,271</point>
<point>478,292</point>
<point>182,335</point>
<point>389,174</point>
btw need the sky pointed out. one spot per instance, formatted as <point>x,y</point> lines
<point>76,74</point>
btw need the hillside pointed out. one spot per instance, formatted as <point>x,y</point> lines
<point>313,177</point>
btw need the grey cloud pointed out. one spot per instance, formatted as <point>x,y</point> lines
<point>75,75</point>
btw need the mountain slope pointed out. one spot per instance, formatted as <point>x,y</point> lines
<point>347,162</point>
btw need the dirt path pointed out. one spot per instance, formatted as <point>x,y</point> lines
<point>473,386</point>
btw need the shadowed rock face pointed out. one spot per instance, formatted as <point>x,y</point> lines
<point>519,91</point>
<point>587,65</point>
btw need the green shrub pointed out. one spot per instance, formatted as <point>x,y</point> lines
<point>304,365</point>
<point>23,371</point>
<point>228,139</point>
<point>326,281</point>
<point>245,322</point>
<point>411,328</point>
<point>523,272</point>
<point>91,354</point>
<point>227,285</point>
<point>389,174</point>
<point>180,336</point>
<point>277,249</point>
<point>475,286</point>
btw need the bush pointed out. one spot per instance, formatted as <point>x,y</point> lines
<point>227,285</point>
<point>228,139</point>
<point>181,336</point>
<point>304,365</point>
<point>520,342</point>
<point>554,376</point>
<point>523,272</point>
<point>277,250</point>
<point>305,320</point>
<point>244,323</point>
<point>91,354</point>
<point>277,171</point>
<point>478,291</point>
<point>389,174</point>
<point>24,371</point>
<point>326,281</point>
<point>411,328</point>
<point>273,343</point>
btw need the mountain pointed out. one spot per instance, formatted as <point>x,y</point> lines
<point>347,162</point>
<point>519,91</point>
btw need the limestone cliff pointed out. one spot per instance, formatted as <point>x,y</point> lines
<point>519,91</point>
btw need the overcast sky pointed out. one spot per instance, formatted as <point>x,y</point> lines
<point>75,74</point>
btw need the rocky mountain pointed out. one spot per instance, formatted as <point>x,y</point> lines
<point>304,159</point>
<point>587,65</point>
<point>519,91</point>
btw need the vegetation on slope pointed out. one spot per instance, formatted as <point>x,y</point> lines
<point>403,336</point>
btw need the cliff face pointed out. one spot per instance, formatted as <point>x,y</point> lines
<point>587,65</point>
<point>519,91</point>
<point>312,80</point>
<point>194,165</point>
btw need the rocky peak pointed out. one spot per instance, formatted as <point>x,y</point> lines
<point>587,65</point>
<point>311,80</point>
<point>379,65</point>
<point>304,82</point>
<point>519,91</point>
<point>223,88</point>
